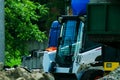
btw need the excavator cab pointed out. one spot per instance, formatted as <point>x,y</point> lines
<point>74,51</point>
<point>64,55</point>
<point>67,40</point>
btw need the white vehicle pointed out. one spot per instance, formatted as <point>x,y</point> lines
<point>75,54</point>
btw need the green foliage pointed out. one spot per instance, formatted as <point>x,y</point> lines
<point>56,7</point>
<point>21,17</point>
<point>13,60</point>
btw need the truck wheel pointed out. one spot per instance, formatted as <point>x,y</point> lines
<point>92,75</point>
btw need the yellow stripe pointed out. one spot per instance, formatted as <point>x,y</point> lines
<point>110,66</point>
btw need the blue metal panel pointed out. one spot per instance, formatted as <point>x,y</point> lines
<point>54,34</point>
<point>79,7</point>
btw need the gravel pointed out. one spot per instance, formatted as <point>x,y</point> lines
<point>114,75</point>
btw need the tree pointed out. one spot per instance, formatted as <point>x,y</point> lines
<point>21,17</point>
<point>56,8</point>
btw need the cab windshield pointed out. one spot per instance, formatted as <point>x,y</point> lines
<point>66,49</point>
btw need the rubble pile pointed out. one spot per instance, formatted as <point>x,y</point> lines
<point>20,73</point>
<point>114,75</point>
